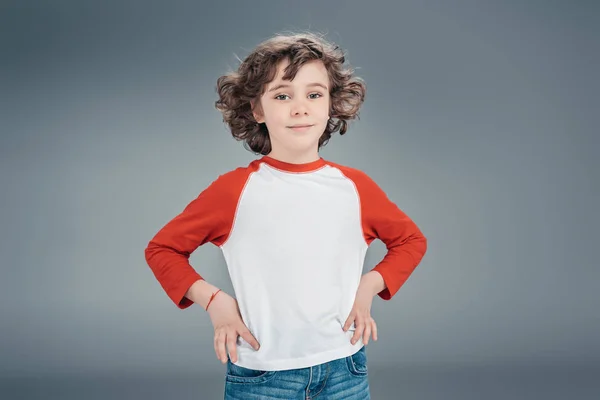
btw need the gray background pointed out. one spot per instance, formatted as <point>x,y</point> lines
<point>481,122</point>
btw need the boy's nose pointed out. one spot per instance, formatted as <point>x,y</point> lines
<point>299,109</point>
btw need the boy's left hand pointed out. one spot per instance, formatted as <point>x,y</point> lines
<point>361,312</point>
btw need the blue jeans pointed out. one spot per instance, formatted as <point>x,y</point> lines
<point>344,378</point>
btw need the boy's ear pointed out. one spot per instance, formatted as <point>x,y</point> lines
<point>257,112</point>
<point>259,118</point>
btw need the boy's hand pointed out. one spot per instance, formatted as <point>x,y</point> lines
<point>227,321</point>
<point>365,325</point>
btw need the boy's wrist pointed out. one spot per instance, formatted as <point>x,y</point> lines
<point>373,282</point>
<point>201,292</point>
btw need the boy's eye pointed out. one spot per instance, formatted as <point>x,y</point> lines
<point>311,96</point>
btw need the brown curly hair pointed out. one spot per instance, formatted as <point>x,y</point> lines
<point>239,90</point>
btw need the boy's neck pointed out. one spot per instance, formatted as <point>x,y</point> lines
<point>295,158</point>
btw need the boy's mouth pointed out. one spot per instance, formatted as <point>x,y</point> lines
<point>300,127</point>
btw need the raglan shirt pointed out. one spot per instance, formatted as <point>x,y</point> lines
<point>294,238</point>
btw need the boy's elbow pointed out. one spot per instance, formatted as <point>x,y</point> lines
<point>157,253</point>
<point>424,243</point>
<point>151,250</point>
<point>421,244</point>
<point>418,243</point>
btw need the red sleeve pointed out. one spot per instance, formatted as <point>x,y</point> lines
<point>208,218</point>
<point>383,220</point>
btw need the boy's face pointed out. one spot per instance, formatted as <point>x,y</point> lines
<point>296,112</point>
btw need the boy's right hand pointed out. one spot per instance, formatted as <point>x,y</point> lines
<point>227,322</point>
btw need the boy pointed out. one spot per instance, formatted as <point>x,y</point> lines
<point>294,230</point>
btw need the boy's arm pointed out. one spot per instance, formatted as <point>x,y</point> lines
<point>200,292</point>
<point>406,245</point>
<point>382,219</point>
<point>206,219</point>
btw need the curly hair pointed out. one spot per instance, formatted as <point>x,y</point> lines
<point>240,89</point>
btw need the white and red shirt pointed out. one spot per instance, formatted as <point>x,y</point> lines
<point>294,237</point>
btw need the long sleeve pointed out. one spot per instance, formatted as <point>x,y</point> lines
<point>208,218</point>
<point>382,219</point>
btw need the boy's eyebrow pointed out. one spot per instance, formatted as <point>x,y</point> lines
<point>285,85</point>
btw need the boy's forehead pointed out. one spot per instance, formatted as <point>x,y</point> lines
<point>310,72</point>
